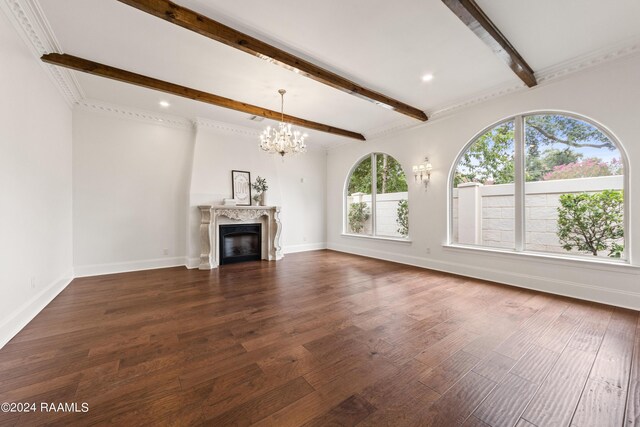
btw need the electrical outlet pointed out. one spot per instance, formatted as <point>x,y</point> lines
<point>33,282</point>
<point>428,251</point>
<point>304,239</point>
<point>165,251</point>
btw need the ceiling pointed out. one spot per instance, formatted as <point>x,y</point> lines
<point>384,46</point>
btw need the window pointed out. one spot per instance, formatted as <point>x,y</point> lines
<point>550,183</point>
<point>377,199</point>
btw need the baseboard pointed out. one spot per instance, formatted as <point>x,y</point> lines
<point>123,267</point>
<point>290,249</point>
<point>566,288</point>
<point>24,314</point>
<point>192,263</point>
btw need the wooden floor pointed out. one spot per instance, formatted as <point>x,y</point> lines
<point>322,338</point>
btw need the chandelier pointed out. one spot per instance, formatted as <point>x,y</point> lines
<point>282,140</point>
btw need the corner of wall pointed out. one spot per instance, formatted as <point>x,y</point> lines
<point>24,314</point>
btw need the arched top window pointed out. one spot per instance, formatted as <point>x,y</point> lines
<point>543,182</point>
<point>376,198</point>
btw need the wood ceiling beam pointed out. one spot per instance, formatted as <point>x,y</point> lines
<point>478,22</point>
<point>207,27</point>
<point>101,70</point>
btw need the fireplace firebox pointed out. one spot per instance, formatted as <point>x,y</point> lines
<point>240,242</point>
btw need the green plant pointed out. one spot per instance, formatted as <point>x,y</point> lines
<point>592,222</point>
<point>403,218</point>
<point>260,185</point>
<point>358,215</point>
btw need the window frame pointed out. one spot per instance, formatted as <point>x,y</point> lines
<point>374,193</point>
<point>520,193</point>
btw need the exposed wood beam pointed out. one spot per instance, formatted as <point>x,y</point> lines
<point>478,22</point>
<point>86,66</point>
<point>207,27</point>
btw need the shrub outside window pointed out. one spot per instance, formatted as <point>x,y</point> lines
<point>545,182</point>
<point>377,198</point>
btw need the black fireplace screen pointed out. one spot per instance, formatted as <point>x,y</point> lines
<point>240,242</point>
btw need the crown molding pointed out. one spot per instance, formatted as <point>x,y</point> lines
<point>544,76</point>
<point>395,126</point>
<point>223,127</point>
<point>33,28</point>
<point>478,98</point>
<point>134,114</point>
<point>550,74</point>
<point>589,60</point>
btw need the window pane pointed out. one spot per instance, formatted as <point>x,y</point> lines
<point>359,199</point>
<point>391,198</point>
<point>573,191</point>
<point>483,198</point>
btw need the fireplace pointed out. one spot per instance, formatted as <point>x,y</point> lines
<point>214,216</point>
<point>240,242</point>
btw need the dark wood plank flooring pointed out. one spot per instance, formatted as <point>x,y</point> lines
<point>322,338</point>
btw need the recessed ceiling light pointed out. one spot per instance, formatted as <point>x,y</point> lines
<point>427,77</point>
<point>164,104</point>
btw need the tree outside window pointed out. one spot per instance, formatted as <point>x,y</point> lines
<point>571,181</point>
<point>377,198</point>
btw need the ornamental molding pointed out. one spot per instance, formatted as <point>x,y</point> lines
<point>135,114</point>
<point>271,227</point>
<point>397,125</point>
<point>33,28</point>
<point>591,59</point>
<point>28,19</point>
<point>581,63</point>
<point>495,92</point>
<point>242,214</point>
<point>228,128</point>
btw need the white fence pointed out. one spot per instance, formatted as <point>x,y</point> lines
<point>386,212</point>
<point>484,215</point>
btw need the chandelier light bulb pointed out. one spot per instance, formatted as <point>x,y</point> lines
<point>283,139</point>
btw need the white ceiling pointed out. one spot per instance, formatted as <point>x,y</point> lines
<point>385,46</point>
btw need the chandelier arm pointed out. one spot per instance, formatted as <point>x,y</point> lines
<point>282,140</point>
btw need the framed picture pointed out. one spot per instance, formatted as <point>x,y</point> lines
<point>241,187</point>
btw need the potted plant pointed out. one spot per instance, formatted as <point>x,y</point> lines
<point>260,186</point>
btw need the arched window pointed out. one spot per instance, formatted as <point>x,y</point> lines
<point>376,198</point>
<point>543,182</point>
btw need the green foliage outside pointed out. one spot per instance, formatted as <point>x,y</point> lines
<point>491,156</point>
<point>592,222</point>
<point>390,177</point>
<point>358,214</point>
<point>403,218</point>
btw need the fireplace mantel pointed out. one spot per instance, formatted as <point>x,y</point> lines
<point>212,216</point>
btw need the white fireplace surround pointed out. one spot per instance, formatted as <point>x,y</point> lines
<point>211,217</point>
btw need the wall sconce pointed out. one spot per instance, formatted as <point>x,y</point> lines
<point>422,172</point>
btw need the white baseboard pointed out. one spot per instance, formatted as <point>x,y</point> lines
<point>566,288</point>
<point>24,314</point>
<point>192,263</point>
<point>123,267</point>
<point>290,249</point>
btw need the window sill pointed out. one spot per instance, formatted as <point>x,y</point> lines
<point>597,264</point>
<point>388,239</point>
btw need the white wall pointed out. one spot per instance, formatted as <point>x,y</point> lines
<point>296,184</point>
<point>35,189</point>
<point>608,94</point>
<point>130,193</point>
